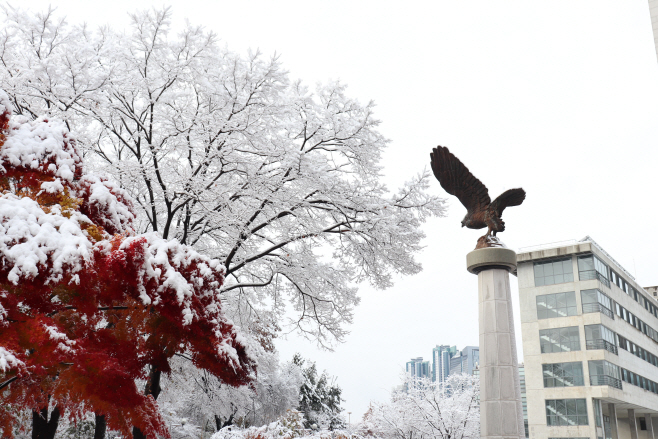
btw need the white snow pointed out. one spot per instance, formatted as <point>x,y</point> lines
<point>102,197</point>
<point>5,104</point>
<point>32,143</point>
<point>7,359</point>
<point>32,240</point>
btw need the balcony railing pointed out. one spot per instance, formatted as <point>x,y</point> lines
<point>598,307</point>
<point>602,279</point>
<point>604,380</point>
<point>601,344</point>
<point>593,274</point>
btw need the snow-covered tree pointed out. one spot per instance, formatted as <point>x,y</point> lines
<point>87,305</point>
<point>427,410</point>
<point>202,400</point>
<point>281,183</point>
<point>319,398</point>
<point>225,153</point>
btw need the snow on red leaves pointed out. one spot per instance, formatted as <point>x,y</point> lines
<point>86,305</point>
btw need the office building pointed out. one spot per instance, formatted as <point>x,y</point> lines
<point>418,368</point>
<point>590,344</point>
<point>464,361</point>
<point>441,356</point>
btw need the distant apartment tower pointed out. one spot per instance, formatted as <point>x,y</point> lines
<point>417,368</point>
<point>590,345</point>
<point>441,356</point>
<point>464,361</point>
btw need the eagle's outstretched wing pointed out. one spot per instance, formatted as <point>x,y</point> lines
<point>511,197</point>
<point>457,180</point>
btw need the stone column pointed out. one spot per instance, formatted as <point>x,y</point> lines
<point>614,428</point>
<point>501,412</point>
<point>649,422</point>
<point>632,423</point>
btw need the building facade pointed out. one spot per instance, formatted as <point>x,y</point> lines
<point>524,401</point>
<point>590,343</point>
<point>441,356</point>
<point>417,368</point>
<point>464,361</point>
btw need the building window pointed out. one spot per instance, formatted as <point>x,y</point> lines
<point>556,305</point>
<point>604,373</point>
<point>637,380</point>
<point>563,374</point>
<point>566,412</point>
<point>600,337</point>
<point>553,272</point>
<point>591,267</point>
<point>559,340</point>
<point>596,301</point>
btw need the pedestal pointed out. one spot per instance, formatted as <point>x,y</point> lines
<point>501,412</point>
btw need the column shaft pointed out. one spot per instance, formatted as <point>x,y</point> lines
<point>648,421</point>
<point>632,423</point>
<point>501,412</point>
<point>614,429</point>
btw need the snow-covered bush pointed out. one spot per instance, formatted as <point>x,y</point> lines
<point>288,427</point>
<point>427,410</point>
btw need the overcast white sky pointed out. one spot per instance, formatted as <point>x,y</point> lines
<point>557,96</point>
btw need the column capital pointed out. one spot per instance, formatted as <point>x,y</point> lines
<point>491,257</point>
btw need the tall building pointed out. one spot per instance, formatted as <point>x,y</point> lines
<point>653,11</point>
<point>590,344</point>
<point>464,361</point>
<point>441,356</point>
<point>418,368</point>
<point>524,400</point>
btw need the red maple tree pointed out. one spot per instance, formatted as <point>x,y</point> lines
<point>87,307</point>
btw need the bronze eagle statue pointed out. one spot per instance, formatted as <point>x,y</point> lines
<point>481,212</point>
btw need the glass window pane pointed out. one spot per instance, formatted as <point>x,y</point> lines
<point>571,298</point>
<point>557,268</point>
<point>571,407</point>
<point>567,267</point>
<point>548,270</point>
<point>539,270</point>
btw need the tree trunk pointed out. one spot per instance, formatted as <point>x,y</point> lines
<point>153,383</point>
<point>42,428</point>
<point>152,388</point>
<point>101,425</point>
